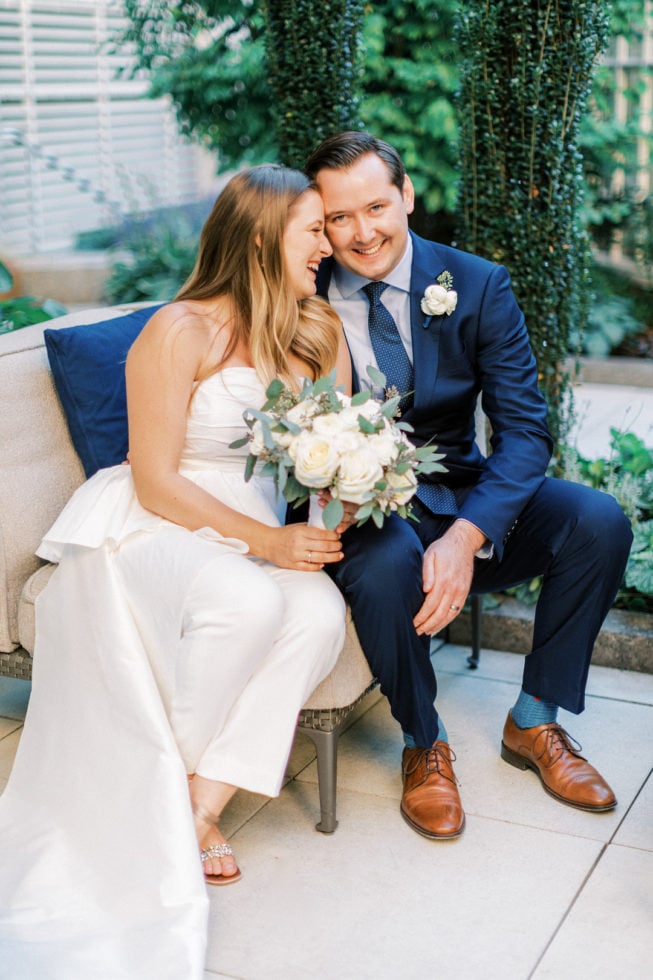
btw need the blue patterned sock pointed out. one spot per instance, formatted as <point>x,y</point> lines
<point>409,741</point>
<point>529,712</point>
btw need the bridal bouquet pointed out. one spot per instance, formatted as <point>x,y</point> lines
<point>321,439</point>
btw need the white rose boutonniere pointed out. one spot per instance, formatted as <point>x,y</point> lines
<point>440,298</point>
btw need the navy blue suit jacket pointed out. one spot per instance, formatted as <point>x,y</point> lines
<point>483,346</point>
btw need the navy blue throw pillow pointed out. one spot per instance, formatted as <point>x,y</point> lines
<point>88,366</point>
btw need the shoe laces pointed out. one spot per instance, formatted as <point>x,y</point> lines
<point>553,741</point>
<point>433,759</point>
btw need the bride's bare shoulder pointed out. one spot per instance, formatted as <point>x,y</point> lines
<point>196,323</point>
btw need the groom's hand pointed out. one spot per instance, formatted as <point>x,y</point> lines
<point>447,571</point>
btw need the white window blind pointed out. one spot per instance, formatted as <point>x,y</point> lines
<point>79,146</point>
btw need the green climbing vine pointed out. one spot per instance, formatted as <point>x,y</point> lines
<point>526,69</point>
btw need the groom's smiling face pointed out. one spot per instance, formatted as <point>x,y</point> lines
<point>366,216</point>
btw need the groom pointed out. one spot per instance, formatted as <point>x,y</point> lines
<point>487,523</point>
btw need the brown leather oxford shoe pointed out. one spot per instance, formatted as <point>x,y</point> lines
<point>565,774</point>
<point>430,802</point>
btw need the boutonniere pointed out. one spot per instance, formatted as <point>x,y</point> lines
<point>440,298</point>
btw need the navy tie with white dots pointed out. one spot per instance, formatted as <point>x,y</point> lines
<point>393,360</point>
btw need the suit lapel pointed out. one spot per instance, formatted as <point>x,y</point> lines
<point>425,330</point>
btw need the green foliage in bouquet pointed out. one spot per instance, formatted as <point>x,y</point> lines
<point>319,439</point>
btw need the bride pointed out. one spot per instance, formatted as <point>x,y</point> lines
<point>177,640</point>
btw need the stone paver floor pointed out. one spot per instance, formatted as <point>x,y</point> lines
<point>532,889</point>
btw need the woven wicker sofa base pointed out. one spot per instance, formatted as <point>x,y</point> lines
<point>16,664</point>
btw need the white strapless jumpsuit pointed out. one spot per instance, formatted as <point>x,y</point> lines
<point>159,652</point>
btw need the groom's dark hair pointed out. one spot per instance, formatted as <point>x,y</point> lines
<point>342,150</point>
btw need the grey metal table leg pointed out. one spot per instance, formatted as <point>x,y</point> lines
<point>476,617</point>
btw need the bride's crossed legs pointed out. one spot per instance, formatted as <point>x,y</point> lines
<point>236,646</point>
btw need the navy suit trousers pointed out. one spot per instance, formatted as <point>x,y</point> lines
<point>577,538</point>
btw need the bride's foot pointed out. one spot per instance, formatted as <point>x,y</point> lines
<point>218,862</point>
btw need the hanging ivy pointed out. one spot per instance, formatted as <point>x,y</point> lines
<point>312,52</point>
<point>526,69</point>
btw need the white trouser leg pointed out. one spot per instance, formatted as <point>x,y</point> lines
<point>255,742</point>
<point>236,645</point>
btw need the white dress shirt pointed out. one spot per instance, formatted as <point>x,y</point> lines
<point>347,298</point>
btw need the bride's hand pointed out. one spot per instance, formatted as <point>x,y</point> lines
<point>305,548</point>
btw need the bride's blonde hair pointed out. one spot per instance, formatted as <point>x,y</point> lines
<point>241,257</point>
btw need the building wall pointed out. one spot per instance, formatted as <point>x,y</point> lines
<point>80,145</point>
<point>632,64</point>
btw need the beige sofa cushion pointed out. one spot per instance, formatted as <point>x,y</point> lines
<point>40,468</point>
<point>34,584</point>
<point>348,679</point>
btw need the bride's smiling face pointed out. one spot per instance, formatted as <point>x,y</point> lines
<point>304,243</point>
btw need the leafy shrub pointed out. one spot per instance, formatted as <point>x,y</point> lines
<point>154,250</point>
<point>619,318</point>
<point>155,267</point>
<point>628,475</point>
<point>22,311</point>
<point>154,253</point>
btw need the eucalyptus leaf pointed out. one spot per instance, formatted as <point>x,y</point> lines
<point>250,463</point>
<point>332,514</point>
<point>294,490</point>
<point>361,397</point>
<point>324,384</point>
<point>239,443</point>
<point>364,511</point>
<point>377,377</point>
<point>274,389</point>
<point>390,407</point>
<point>366,426</point>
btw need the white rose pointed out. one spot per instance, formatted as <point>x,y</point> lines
<point>331,424</point>
<point>337,430</point>
<point>350,442</point>
<point>384,446</point>
<point>316,459</point>
<point>257,443</point>
<point>358,472</point>
<point>284,439</point>
<point>402,486</point>
<point>302,412</point>
<point>348,419</point>
<point>370,410</point>
<point>437,301</point>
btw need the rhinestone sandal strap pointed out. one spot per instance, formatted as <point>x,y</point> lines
<point>216,851</point>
